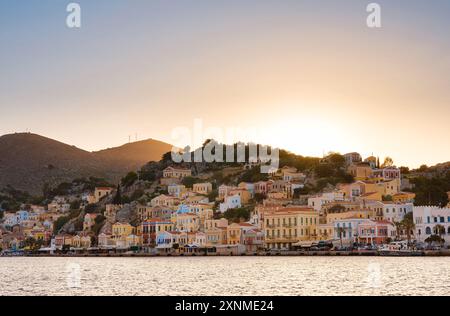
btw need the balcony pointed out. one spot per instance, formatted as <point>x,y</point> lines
<point>282,238</point>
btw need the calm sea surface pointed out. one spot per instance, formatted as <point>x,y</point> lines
<point>225,276</point>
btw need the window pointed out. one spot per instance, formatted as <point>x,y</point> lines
<point>428,231</point>
<point>435,219</point>
<point>428,219</point>
<point>441,219</point>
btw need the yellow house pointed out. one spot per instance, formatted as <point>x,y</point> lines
<point>332,217</point>
<point>144,212</point>
<point>186,222</point>
<point>81,242</point>
<point>290,225</point>
<point>216,236</point>
<point>360,171</point>
<point>244,194</point>
<point>38,233</point>
<point>101,192</point>
<point>202,188</point>
<point>406,197</point>
<point>373,196</point>
<point>121,230</point>
<point>234,234</point>
<point>384,187</point>
<point>173,172</point>
<point>216,223</point>
<point>325,231</point>
<point>164,200</point>
<point>133,241</point>
<point>353,190</point>
<point>277,195</point>
<point>392,186</point>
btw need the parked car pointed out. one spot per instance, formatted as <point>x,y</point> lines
<point>344,248</point>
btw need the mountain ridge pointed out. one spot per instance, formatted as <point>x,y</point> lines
<point>28,161</point>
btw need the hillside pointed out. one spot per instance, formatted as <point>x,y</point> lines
<point>27,161</point>
<point>135,153</point>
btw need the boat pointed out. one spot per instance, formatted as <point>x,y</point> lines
<point>397,248</point>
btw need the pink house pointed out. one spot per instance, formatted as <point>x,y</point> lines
<point>374,232</point>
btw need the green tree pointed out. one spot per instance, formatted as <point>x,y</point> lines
<point>253,175</point>
<point>336,160</point>
<point>32,244</point>
<point>398,229</point>
<point>408,224</point>
<point>99,222</point>
<point>237,215</point>
<point>213,195</point>
<point>137,194</point>
<point>91,208</point>
<point>404,170</point>
<point>147,175</point>
<point>74,205</point>
<point>431,190</point>
<point>434,239</point>
<point>59,223</point>
<point>439,230</point>
<point>423,168</point>
<point>129,179</point>
<point>190,181</point>
<point>167,157</point>
<point>388,162</point>
<point>118,197</point>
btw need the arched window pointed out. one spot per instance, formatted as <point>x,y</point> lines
<point>428,231</point>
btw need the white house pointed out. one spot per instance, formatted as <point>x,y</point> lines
<point>394,212</point>
<point>232,201</point>
<point>426,218</point>
<point>316,202</point>
<point>347,229</point>
<point>176,189</point>
<point>11,219</point>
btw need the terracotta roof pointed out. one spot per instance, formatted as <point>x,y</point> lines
<point>368,194</point>
<point>245,224</point>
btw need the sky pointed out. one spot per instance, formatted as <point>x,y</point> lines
<point>307,76</point>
